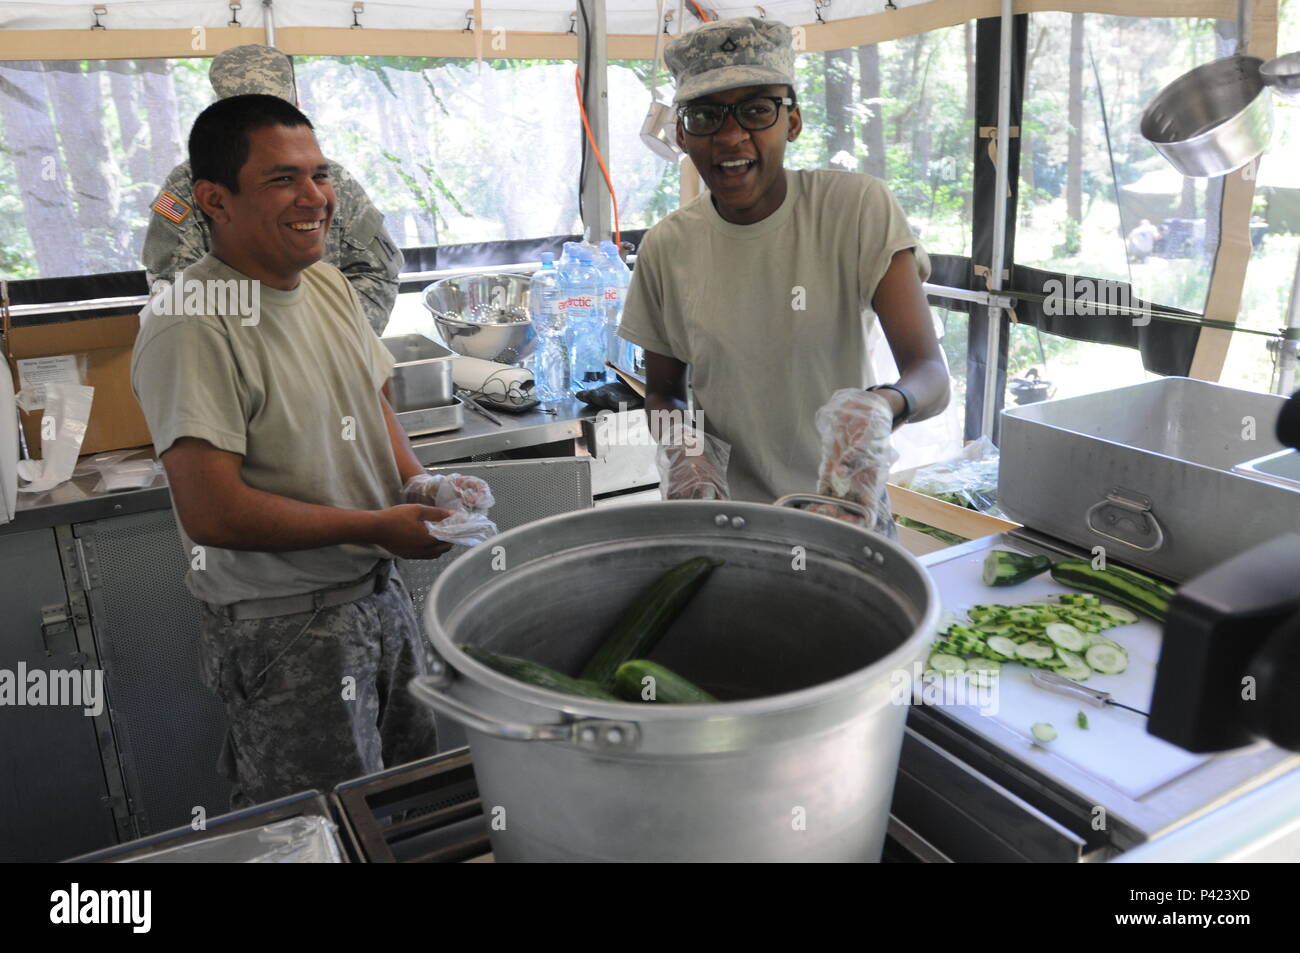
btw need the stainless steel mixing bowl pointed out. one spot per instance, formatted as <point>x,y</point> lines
<point>483,316</point>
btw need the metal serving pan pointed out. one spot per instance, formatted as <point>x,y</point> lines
<point>1148,472</point>
<point>422,377</point>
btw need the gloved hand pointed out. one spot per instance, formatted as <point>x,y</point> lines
<point>450,491</point>
<point>855,426</point>
<point>692,464</point>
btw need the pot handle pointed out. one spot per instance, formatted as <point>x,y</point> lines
<point>1130,505</point>
<point>793,499</point>
<point>597,734</point>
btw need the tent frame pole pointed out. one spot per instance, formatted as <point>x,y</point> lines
<point>992,378</point>
<point>597,219</point>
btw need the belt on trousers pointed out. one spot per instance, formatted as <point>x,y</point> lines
<point>375,581</point>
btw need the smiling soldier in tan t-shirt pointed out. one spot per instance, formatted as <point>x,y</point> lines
<point>285,462</point>
<point>767,285</point>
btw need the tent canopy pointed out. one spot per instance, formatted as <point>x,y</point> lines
<point>546,16</point>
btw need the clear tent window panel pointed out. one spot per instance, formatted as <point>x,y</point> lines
<point>453,151</point>
<point>84,147</point>
<point>448,151</point>
<point>1070,368</point>
<point>1095,198</point>
<point>901,111</point>
<point>1274,237</point>
<point>648,187</point>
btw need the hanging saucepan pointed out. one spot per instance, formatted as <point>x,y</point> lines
<point>1218,117</point>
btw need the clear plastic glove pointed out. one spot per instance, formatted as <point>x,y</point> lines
<point>463,528</point>
<point>692,464</point>
<point>855,426</point>
<point>450,491</point>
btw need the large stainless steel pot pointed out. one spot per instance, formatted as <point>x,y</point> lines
<point>808,633</point>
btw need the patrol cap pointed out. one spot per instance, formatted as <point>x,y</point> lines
<point>728,54</point>
<point>252,68</point>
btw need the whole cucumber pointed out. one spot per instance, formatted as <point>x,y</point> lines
<point>534,673</point>
<point>1128,587</point>
<point>645,622</point>
<point>666,686</point>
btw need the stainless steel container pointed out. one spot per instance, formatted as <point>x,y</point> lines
<point>422,377</point>
<point>1147,472</point>
<point>808,633</point>
<point>483,316</point>
<point>1213,119</point>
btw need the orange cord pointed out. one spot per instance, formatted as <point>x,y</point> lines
<point>577,85</point>
<point>702,13</point>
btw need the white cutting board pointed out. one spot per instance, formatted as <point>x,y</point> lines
<point>1115,747</point>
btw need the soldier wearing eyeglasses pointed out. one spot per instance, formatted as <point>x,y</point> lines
<point>766,288</point>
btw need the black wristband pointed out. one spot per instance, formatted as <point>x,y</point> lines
<point>909,402</point>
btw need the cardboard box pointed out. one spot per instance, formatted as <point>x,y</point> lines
<point>102,349</point>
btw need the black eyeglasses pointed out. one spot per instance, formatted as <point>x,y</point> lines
<point>757,114</point>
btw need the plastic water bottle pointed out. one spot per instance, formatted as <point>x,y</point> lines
<point>615,278</point>
<point>570,256</point>
<point>585,324</point>
<point>551,357</point>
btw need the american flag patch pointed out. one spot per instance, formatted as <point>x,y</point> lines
<point>171,208</point>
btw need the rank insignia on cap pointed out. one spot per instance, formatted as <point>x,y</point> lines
<point>729,46</point>
<point>171,208</point>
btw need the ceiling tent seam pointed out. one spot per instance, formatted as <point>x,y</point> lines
<point>546,16</point>
<point>138,30</point>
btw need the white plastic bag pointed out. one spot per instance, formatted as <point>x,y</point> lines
<point>63,428</point>
<point>463,528</point>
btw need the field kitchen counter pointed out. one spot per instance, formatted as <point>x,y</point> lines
<point>78,500</point>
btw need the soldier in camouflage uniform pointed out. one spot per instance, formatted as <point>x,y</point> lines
<point>289,728</point>
<point>294,486</point>
<point>357,244</point>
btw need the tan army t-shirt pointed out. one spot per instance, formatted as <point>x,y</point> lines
<point>296,394</point>
<point>772,317</point>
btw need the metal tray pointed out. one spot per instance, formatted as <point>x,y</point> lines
<point>1148,473</point>
<point>433,419</point>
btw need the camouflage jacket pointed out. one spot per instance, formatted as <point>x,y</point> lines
<point>357,244</point>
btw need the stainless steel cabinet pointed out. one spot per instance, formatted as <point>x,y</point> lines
<point>168,727</point>
<point>54,797</point>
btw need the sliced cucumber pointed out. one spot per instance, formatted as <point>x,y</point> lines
<point>983,665</point>
<point>1035,650</point>
<point>1043,732</point>
<point>1066,636</point>
<point>1118,613</point>
<point>1082,721</point>
<point>1103,640</point>
<point>1075,667</point>
<point>948,664</point>
<point>981,678</point>
<point>1003,646</point>
<point>1106,659</point>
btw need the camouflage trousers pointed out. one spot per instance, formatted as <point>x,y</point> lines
<point>317,698</point>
